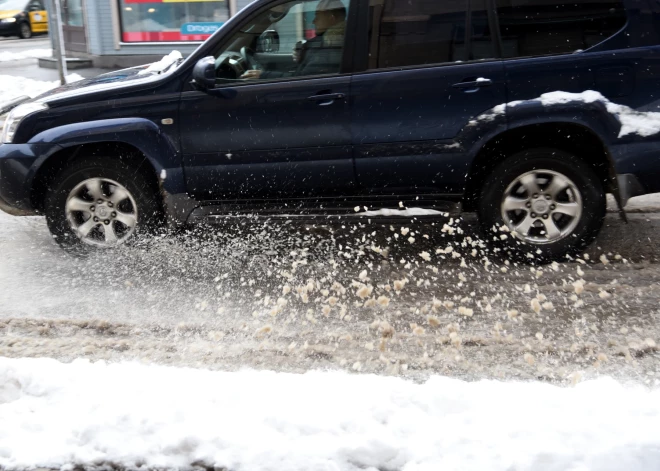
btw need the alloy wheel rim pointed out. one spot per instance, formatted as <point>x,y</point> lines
<point>542,207</point>
<point>101,212</point>
<point>25,30</point>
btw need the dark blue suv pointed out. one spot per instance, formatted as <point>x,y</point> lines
<point>525,111</point>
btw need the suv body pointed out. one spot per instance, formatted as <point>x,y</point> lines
<point>431,102</point>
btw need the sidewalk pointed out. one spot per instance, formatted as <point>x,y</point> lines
<point>28,67</point>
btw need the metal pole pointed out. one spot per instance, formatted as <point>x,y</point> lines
<point>59,43</point>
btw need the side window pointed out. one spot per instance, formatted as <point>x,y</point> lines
<point>295,39</point>
<point>35,6</point>
<point>542,27</point>
<point>416,32</point>
<point>480,38</point>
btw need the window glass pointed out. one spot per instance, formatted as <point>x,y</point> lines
<point>416,32</point>
<point>298,38</point>
<point>35,6</point>
<point>541,27</point>
<point>73,12</point>
<point>481,40</point>
<point>174,20</point>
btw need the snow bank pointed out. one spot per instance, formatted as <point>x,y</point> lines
<point>7,56</point>
<point>12,87</point>
<point>54,414</point>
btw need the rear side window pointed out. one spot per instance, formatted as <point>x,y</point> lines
<point>542,27</point>
<point>418,32</point>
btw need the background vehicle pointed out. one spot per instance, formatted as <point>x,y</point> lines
<point>527,122</point>
<point>22,18</point>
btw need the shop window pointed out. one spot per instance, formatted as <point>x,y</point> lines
<point>171,20</point>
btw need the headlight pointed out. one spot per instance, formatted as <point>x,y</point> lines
<point>9,20</point>
<point>15,117</point>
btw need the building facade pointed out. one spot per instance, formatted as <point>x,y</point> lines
<point>123,33</point>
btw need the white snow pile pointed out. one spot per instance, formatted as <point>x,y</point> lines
<point>12,87</point>
<point>132,415</point>
<point>7,56</point>
<point>643,123</point>
<point>164,63</point>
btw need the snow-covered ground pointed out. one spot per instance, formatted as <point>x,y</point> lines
<point>130,414</point>
<point>13,87</point>
<point>6,56</point>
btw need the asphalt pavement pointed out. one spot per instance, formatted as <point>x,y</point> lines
<point>349,296</point>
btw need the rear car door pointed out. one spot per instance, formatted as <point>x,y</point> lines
<point>431,68</point>
<point>553,45</point>
<point>38,16</point>
<point>284,133</point>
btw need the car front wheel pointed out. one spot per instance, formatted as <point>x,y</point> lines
<point>542,205</point>
<point>100,203</point>
<point>25,31</point>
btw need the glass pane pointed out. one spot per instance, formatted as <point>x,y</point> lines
<point>416,32</point>
<point>299,38</point>
<point>171,21</point>
<point>481,41</point>
<point>74,13</point>
<point>542,27</point>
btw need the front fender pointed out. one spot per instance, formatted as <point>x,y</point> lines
<point>143,134</point>
<point>140,133</point>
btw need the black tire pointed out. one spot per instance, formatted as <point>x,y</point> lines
<point>149,207</point>
<point>505,174</point>
<point>24,30</point>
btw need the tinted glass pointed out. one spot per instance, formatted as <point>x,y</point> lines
<point>416,32</point>
<point>541,27</point>
<point>481,41</point>
<point>294,39</point>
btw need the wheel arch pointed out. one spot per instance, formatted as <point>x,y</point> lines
<point>574,138</point>
<point>57,161</point>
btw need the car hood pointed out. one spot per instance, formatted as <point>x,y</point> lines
<point>8,13</point>
<point>112,81</point>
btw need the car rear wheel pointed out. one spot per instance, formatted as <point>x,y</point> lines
<point>542,205</point>
<point>100,203</point>
<point>24,30</point>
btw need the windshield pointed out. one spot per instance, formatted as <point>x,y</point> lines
<point>13,4</point>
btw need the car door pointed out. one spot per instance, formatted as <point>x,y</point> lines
<point>284,133</point>
<point>431,68</point>
<point>563,47</point>
<point>38,16</point>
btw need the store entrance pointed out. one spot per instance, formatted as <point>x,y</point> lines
<point>73,26</point>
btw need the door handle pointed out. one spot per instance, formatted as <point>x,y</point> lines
<point>481,82</point>
<point>328,97</point>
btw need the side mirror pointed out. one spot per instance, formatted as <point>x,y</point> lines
<point>204,73</point>
<point>269,41</point>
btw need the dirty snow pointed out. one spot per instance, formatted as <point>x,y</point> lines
<point>7,56</point>
<point>13,87</point>
<point>131,414</point>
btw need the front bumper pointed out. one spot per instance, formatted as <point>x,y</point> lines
<point>17,171</point>
<point>9,29</point>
